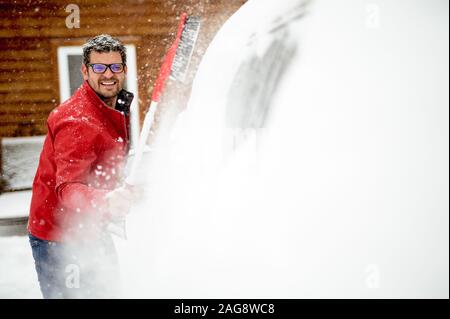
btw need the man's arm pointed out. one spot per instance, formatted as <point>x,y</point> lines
<point>76,151</point>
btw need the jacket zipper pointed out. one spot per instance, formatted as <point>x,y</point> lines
<point>126,132</point>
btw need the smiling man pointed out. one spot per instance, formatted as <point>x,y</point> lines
<point>77,189</point>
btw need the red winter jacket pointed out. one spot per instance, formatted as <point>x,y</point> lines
<point>82,159</point>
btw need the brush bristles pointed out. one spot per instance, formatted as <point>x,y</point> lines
<point>185,49</point>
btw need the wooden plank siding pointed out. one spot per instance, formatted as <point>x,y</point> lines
<point>31,32</point>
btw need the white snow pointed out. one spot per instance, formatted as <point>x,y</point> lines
<point>343,193</point>
<point>18,277</point>
<point>15,204</point>
<point>20,158</point>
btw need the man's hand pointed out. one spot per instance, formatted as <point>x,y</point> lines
<point>119,201</point>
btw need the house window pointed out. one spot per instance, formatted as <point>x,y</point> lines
<point>70,78</point>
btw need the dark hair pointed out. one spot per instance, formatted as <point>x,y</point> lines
<point>103,43</point>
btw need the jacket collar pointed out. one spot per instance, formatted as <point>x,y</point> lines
<point>123,103</point>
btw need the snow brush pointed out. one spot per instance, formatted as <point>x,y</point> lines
<point>175,65</point>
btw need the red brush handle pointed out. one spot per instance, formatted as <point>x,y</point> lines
<point>166,66</point>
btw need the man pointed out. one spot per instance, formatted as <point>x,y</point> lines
<point>76,190</point>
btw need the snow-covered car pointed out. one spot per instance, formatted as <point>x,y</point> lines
<point>311,161</point>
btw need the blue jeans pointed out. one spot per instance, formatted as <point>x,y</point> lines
<point>68,270</point>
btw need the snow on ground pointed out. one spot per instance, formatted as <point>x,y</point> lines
<point>18,277</point>
<point>20,158</point>
<point>15,204</point>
